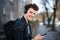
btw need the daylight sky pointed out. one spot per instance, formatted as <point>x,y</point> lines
<point>41,7</point>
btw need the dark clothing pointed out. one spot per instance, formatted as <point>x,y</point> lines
<point>8,30</point>
<point>21,31</point>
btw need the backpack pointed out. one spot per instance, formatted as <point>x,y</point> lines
<point>8,29</point>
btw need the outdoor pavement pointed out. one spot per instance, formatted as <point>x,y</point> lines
<point>51,35</point>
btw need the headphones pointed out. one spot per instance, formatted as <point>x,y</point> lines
<point>25,11</point>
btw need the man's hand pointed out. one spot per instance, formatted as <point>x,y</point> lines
<point>38,37</point>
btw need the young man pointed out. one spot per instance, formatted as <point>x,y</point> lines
<point>22,29</point>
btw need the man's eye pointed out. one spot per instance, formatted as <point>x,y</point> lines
<point>31,12</point>
<point>34,13</point>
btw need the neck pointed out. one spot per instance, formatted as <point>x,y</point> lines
<point>26,18</point>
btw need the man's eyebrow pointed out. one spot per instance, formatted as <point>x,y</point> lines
<point>31,12</point>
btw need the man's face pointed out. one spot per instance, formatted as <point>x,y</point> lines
<point>30,14</point>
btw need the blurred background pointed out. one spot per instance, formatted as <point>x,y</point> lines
<point>47,19</point>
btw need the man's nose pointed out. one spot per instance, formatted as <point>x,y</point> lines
<point>33,15</point>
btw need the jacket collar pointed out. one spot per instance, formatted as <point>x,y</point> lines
<point>24,20</point>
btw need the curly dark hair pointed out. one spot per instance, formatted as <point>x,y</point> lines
<point>34,6</point>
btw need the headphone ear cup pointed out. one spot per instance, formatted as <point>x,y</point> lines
<point>25,11</point>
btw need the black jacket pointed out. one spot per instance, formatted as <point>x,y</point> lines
<point>20,30</point>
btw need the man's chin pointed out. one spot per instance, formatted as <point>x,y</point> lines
<point>30,20</point>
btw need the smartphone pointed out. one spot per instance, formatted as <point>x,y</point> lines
<point>43,34</point>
